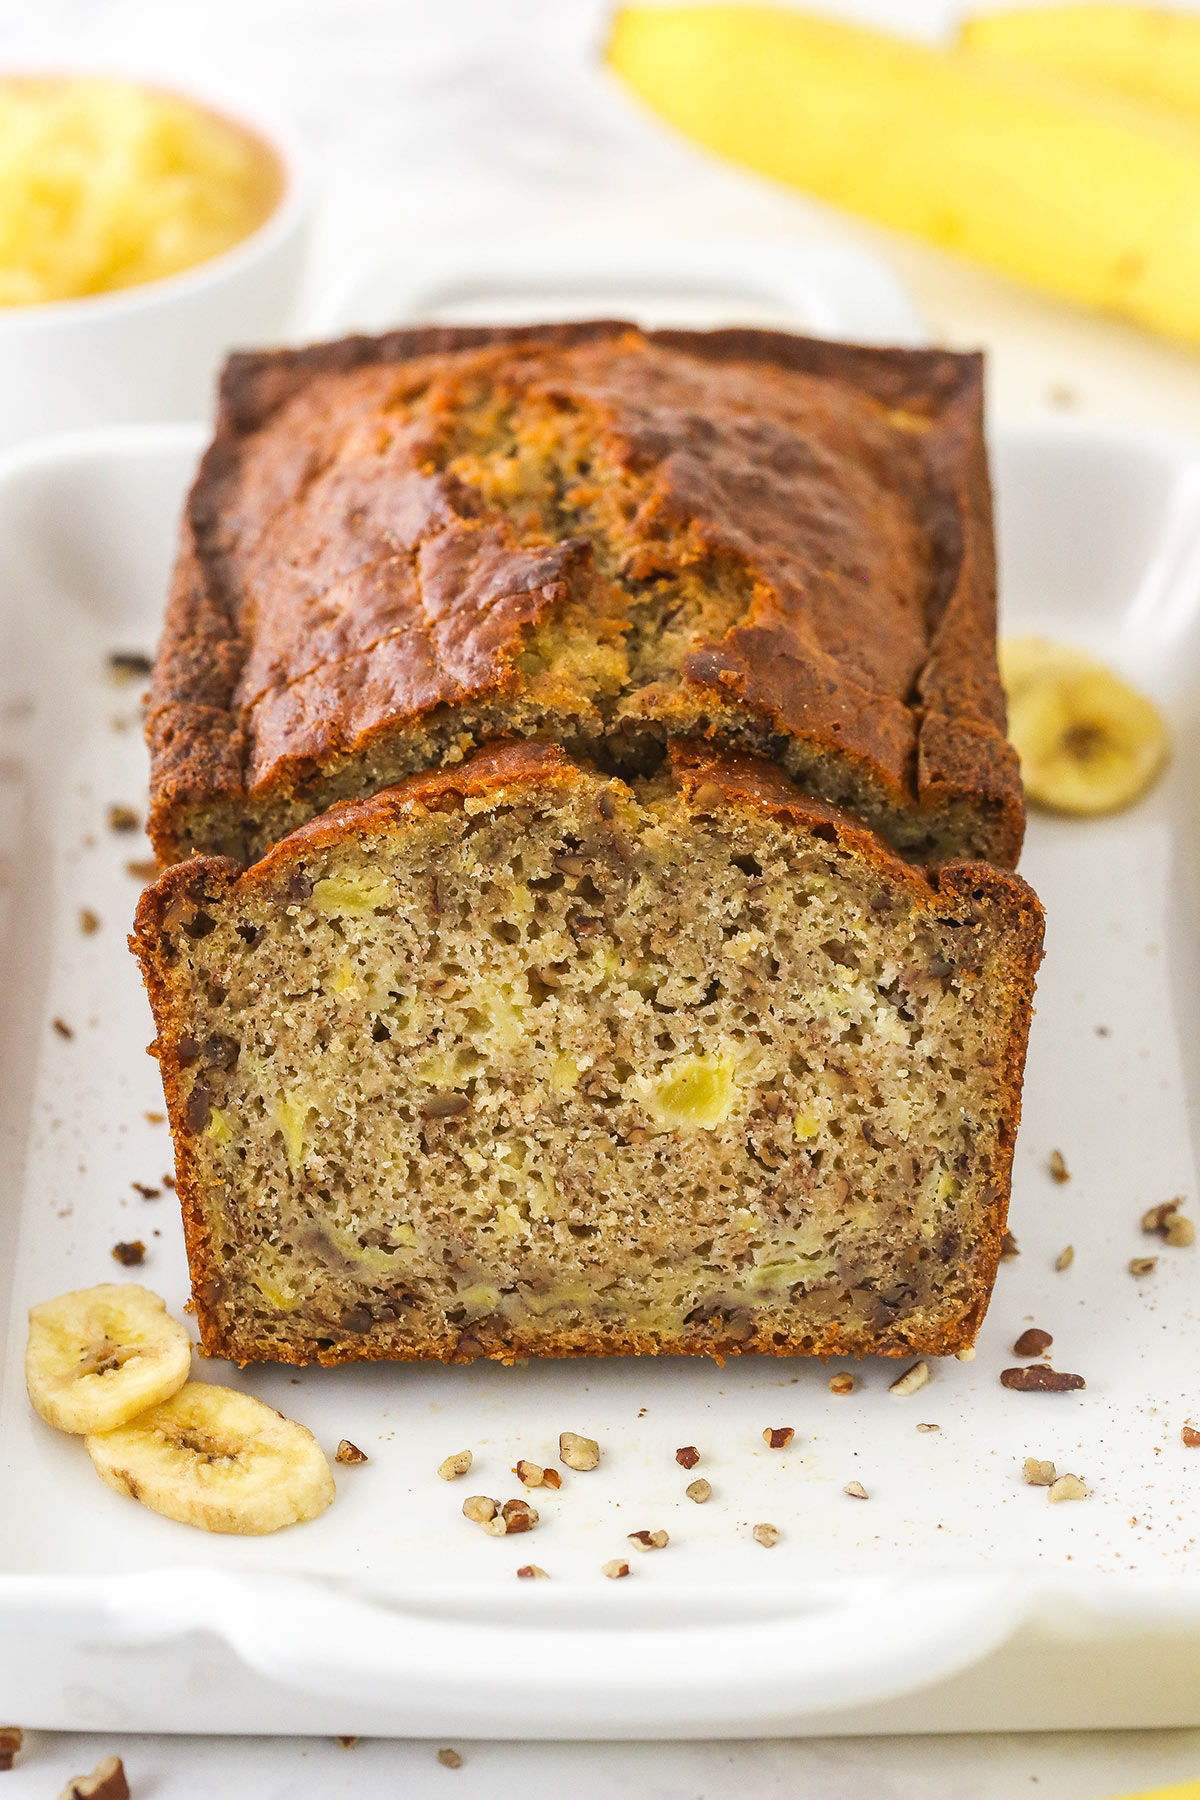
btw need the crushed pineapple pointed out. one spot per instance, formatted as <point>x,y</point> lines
<point>564,1075</point>
<point>350,896</point>
<point>694,1093</point>
<point>291,1115</point>
<point>219,1128</point>
<point>805,1127</point>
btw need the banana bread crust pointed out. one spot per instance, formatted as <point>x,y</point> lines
<point>185,897</point>
<point>396,547</point>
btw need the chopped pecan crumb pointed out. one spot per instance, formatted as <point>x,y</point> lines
<point>1191,1437</point>
<point>142,868</point>
<point>129,665</point>
<point>1032,1342</point>
<point>578,1452</point>
<point>106,1782</point>
<point>479,1509</point>
<point>1009,1247</point>
<point>1180,1232</point>
<point>518,1515</point>
<point>147,1193</point>
<point>496,1526</point>
<point>529,1474</point>
<point>766,1535</point>
<point>777,1437</point>
<point>842,1383</point>
<point>347,1452</point>
<point>929,1428</point>
<point>11,1739</point>
<point>531,1572</point>
<point>1058,1167</point>
<point>131,1254</point>
<point>453,1466</point>
<point>856,1490</point>
<point>615,1569</point>
<point>1142,1265</point>
<point>1065,1258</point>
<point>123,818</point>
<point>1038,1379</point>
<point>1038,1473</point>
<point>155,1118</point>
<point>699,1490</point>
<point>1155,1221</point>
<point>649,1540</point>
<point>62,1028</point>
<point>446,1106</point>
<point>450,1759</point>
<point>687,1457</point>
<point>911,1380</point>
<point>89,922</point>
<point>551,1478</point>
<point>1067,1487</point>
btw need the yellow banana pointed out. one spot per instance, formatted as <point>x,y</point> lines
<point>1081,193</point>
<point>1146,52</point>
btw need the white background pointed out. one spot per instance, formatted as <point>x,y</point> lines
<point>457,116</point>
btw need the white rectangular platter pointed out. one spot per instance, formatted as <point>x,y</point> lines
<point>954,1598</point>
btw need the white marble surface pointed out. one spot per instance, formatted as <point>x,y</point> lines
<point>467,115</point>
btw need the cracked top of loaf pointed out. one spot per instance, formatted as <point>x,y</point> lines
<point>400,547</point>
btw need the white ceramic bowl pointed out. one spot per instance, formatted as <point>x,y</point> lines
<point>152,352</point>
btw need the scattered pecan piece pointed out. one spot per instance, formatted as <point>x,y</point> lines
<point>143,868</point>
<point>1191,1437</point>
<point>62,1028</point>
<point>1009,1247</point>
<point>106,1782</point>
<point>1142,1265</point>
<point>479,1509</point>
<point>615,1569</point>
<point>687,1457</point>
<point>1038,1379</point>
<point>347,1452</point>
<point>856,1490</point>
<point>1058,1167</point>
<point>842,1383</point>
<point>129,665</point>
<point>777,1437</point>
<point>578,1452</point>
<point>766,1535</point>
<point>1067,1487</point>
<point>123,818</point>
<point>11,1739</point>
<point>347,1743</point>
<point>131,1254</point>
<point>456,1465</point>
<point>1065,1258</point>
<point>1180,1232</point>
<point>147,1193</point>
<point>1154,1222</point>
<point>699,1490</point>
<point>89,922</point>
<point>911,1380</point>
<point>1032,1342</point>
<point>649,1540</point>
<point>1038,1473</point>
<point>529,1474</point>
<point>450,1759</point>
<point>518,1515</point>
<point>531,1572</point>
<point>929,1428</point>
<point>551,1478</point>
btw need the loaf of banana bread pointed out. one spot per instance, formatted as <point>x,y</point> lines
<point>401,547</point>
<point>521,1057</point>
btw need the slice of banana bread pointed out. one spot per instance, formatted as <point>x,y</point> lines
<point>400,547</point>
<point>517,1057</point>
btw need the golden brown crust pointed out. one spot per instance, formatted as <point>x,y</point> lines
<point>338,583</point>
<point>510,771</point>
